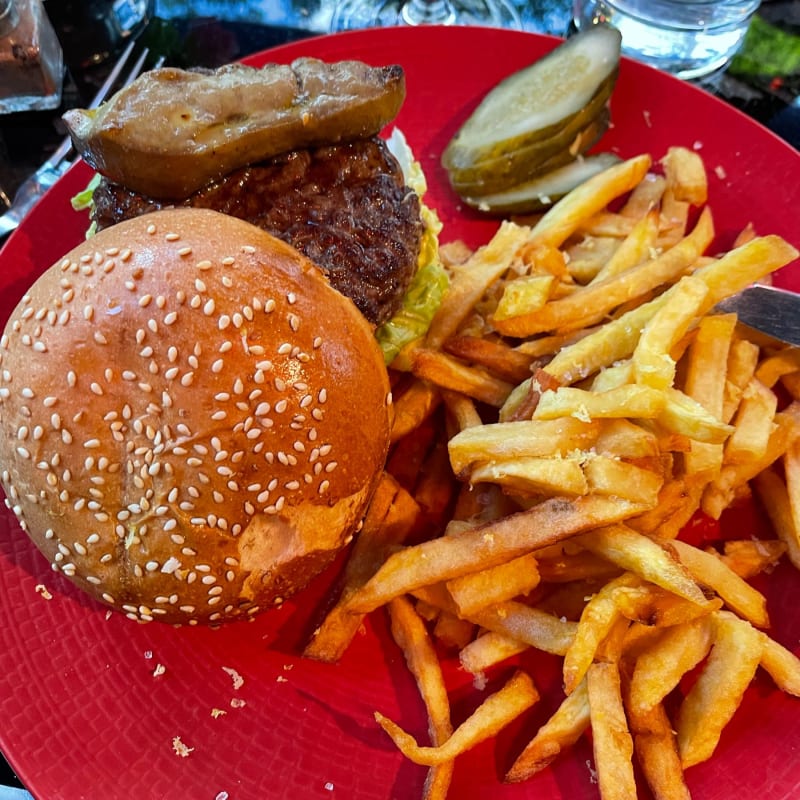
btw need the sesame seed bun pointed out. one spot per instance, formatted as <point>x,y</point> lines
<point>192,420</point>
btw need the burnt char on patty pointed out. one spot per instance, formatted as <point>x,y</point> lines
<point>346,207</point>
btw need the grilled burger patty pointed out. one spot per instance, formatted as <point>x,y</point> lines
<point>346,207</point>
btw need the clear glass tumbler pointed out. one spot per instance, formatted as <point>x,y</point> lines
<point>689,38</point>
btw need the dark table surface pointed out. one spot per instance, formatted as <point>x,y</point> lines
<point>763,81</point>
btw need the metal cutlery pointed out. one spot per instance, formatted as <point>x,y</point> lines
<point>48,173</point>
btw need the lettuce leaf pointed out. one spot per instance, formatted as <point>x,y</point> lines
<point>84,200</point>
<point>431,280</point>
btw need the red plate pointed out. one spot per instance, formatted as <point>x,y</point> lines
<point>83,713</point>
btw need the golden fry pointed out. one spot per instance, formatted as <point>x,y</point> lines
<point>561,731</point>
<point>486,546</point>
<point>506,581</point>
<point>496,711</point>
<point>661,666</point>
<point>717,693</point>
<point>411,636</point>
<point>611,738</point>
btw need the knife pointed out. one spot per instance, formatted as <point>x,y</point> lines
<point>767,309</point>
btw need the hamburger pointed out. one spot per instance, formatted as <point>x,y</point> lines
<point>294,149</point>
<point>177,401</point>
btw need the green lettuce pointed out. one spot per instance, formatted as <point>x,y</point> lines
<point>430,281</point>
<point>84,200</point>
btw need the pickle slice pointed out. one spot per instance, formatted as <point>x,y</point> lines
<point>537,102</point>
<point>544,190</point>
<point>499,174</point>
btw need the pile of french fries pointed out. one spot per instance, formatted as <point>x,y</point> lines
<point>575,403</point>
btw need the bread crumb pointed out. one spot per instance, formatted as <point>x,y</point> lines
<point>159,670</point>
<point>180,748</point>
<point>237,702</point>
<point>329,786</point>
<point>42,590</point>
<point>281,679</point>
<point>218,712</point>
<point>238,680</point>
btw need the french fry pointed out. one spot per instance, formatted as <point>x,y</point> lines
<point>488,649</point>
<point>596,622</point>
<point>686,175</point>
<point>652,605</point>
<point>777,503</point>
<point>494,585</point>
<point>587,256</point>
<point>644,196</point>
<point>472,279</point>
<point>590,304</point>
<point>507,440</point>
<point>625,439</point>
<point>636,247</point>
<point>705,384</point>
<point>409,632</point>
<point>496,711</point>
<point>523,623</point>
<point>660,667</point>
<point>711,571</point>
<point>450,373</point>
<point>554,476</point>
<point>567,724</point>
<point>648,558</point>
<point>717,693</point>
<point>656,750</point>
<point>524,295</point>
<point>683,415</point>
<point>453,632</point>
<point>611,739</point>
<point>414,405</point>
<point>652,363</point>
<point>641,402</point>
<point>486,546</point>
<point>499,358</point>
<point>617,339</point>
<point>742,363</point>
<point>774,367</point>
<point>611,476</point>
<point>752,425</point>
<point>750,557</point>
<point>721,492</point>
<point>389,520</point>
<point>567,214</point>
<point>782,665</point>
<point>462,409</point>
<point>790,532</point>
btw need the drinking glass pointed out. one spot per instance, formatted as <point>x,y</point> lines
<point>689,38</point>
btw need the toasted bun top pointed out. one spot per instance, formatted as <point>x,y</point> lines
<point>191,419</point>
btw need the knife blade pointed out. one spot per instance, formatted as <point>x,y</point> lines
<point>767,309</point>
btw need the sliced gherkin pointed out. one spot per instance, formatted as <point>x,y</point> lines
<point>496,175</point>
<point>544,190</point>
<point>537,102</point>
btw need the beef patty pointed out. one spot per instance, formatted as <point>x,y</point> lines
<point>346,207</point>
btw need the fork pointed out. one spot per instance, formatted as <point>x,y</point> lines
<point>48,173</point>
